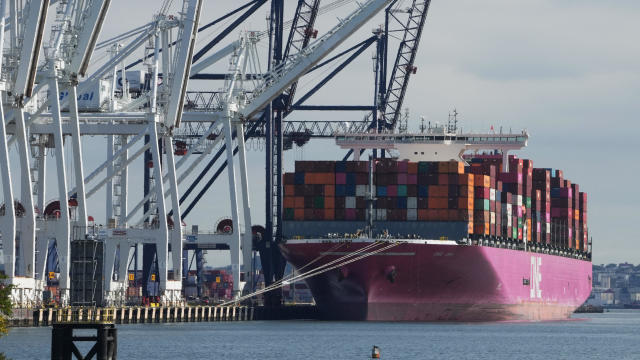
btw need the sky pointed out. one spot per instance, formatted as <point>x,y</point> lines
<point>567,71</point>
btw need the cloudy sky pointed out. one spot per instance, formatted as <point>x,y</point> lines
<point>568,71</point>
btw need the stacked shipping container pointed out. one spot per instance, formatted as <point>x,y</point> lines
<point>525,203</point>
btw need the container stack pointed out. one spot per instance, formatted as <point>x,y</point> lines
<point>582,220</point>
<point>526,203</point>
<point>326,190</point>
<point>512,183</point>
<point>542,221</point>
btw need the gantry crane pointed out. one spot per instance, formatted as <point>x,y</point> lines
<point>134,126</point>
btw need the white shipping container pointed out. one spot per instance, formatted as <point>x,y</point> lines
<point>412,203</point>
<point>350,202</point>
<point>548,228</point>
<point>519,200</point>
<point>412,214</point>
<point>381,214</point>
<point>493,217</point>
<point>361,190</point>
<point>492,195</point>
<point>509,221</point>
<point>92,99</point>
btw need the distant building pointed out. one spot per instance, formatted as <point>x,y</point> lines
<point>615,285</point>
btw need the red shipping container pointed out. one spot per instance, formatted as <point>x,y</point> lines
<point>443,179</point>
<point>412,168</point>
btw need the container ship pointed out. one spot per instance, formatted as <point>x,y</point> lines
<point>452,228</point>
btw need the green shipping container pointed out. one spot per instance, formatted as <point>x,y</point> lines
<point>288,214</point>
<point>482,204</point>
<point>528,202</point>
<point>318,202</point>
<point>515,233</point>
<point>402,190</point>
<point>423,168</point>
<point>520,223</point>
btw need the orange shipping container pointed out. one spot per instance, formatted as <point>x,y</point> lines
<point>310,178</point>
<point>478,180</point>
<point>465,179</point>
<point>329,178</point>
<point>289,202</point>
<point>289,190</point>
<point>298,214</point>
<point>412,168</point>
<point>438,191</point>
<point>438,203</point>
<point>329,202</point>
<point>453,215</point>
<point>329,214</point>
<point>299,202</point>
<point>456,167</point>
<point>443,167</point>
<point>423,214</point>
<point>329,190</point>
<point>470,228</point>
<point>465,203</point>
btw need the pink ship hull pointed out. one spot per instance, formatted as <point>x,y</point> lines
<point>430,282</point>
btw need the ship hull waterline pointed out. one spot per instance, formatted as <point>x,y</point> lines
<point>440,281</point>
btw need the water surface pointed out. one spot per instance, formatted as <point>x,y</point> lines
<point>613,335</point>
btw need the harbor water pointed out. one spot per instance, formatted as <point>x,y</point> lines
<point>613,335</point>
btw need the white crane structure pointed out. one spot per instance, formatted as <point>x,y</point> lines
<point>36,122</point>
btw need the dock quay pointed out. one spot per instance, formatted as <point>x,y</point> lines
<point>132,315</point>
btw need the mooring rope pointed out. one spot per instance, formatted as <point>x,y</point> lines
<point>320,269</point>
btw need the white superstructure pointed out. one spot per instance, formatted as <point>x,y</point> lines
<point>437,143</point>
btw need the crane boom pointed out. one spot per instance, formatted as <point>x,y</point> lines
<point>94,16</point>
<point>33,32</point>
<point>300,36</point>
<point>282,76</point>
<point>404,64</point>
<point>182,65</point>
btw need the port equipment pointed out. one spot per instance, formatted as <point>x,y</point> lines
<point>140,121</point>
